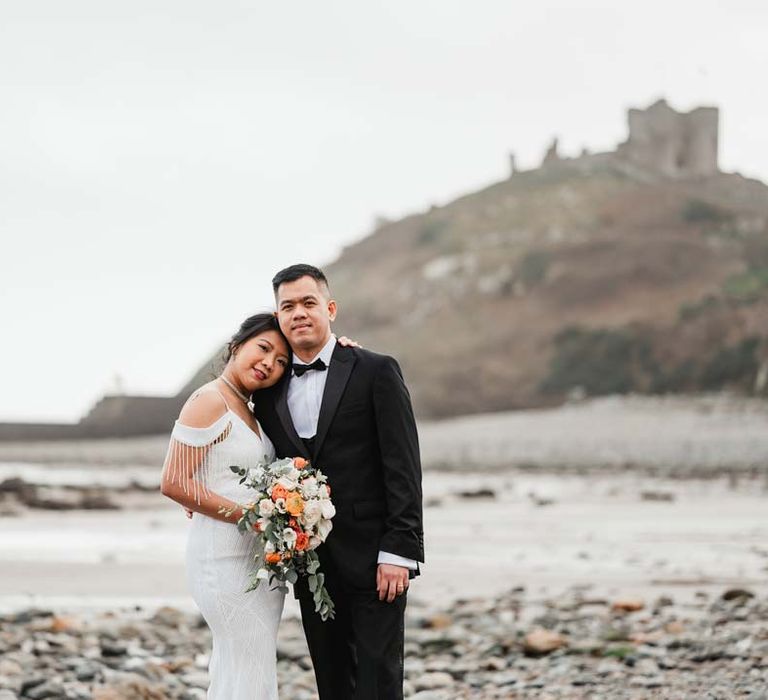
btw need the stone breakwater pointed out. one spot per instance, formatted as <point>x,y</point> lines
<point>574,646</point>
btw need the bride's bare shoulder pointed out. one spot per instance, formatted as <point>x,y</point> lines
<point>204,407</point>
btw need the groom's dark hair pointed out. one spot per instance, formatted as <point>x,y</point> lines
<point>295,272</point>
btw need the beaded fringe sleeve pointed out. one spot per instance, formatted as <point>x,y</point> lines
<point>190,459</point>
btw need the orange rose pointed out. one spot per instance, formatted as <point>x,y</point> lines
<point>300,462</point>
<point>302,541</point>
<point>272,557</point>
<point>279,491</point>
<point>294,503</point>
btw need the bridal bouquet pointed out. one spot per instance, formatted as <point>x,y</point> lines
<point>292,511</point>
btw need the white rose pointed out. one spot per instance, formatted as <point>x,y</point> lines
<point>287,482</point>
<point>262,574</point>
<point>314,542</point>
<point>309,487</point>
<point>324,528</point>
<point>312,512</point>
<point>269,547</point>
<point>328,509</point>
<point>289,536</point>
<point>292,473</point>
<point>266,508</point>
<point>323,493</point>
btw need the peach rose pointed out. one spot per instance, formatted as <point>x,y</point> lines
<point>302,541</point>
<point>279,491</point>
<point>300,462</point>
<point>272,557</point>
<point>294,503</point>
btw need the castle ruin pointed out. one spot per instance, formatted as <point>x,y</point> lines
<point>676,144</point>
<point>661,141</point>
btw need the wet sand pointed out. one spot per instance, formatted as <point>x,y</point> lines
<point>546,532</point>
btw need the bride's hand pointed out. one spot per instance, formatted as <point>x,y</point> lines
<point>347,343</point>
<point>189,513</point>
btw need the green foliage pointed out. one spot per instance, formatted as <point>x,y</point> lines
<point>697,211</point>
<point>747,286</point>
<point>620,652</point>
<point>737,364</point>
<point>533,267</point>
<point>430,231</point>
<point>688,312</point>
<point>680,378</point>
<point>602,361</point>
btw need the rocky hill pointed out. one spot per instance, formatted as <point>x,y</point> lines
<point>606,273</point>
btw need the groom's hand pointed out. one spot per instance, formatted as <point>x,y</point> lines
<point>391,581</point>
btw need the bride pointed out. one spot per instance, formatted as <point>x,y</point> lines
<point>215,430</point>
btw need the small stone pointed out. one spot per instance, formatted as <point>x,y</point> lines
<point>478,493</point>
<point>438,622</point>
<point>430,681</point>
<point>86,671</point>
<point>111,649</point>
<point>494,663</point>
<point>674,627</point>
<point>30,682</point>
<point>168,617</point>
<point>662,496</point>
<point>49,689</point>
<point>541,641</point>
<point>9,667</point>
<point>196,679</point>
<point>61,623</point>
<point>628,604</point>
<point>737,594</point>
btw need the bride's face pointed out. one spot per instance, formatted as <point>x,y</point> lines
<point>260,361</point>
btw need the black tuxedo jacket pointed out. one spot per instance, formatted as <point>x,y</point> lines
<point>367,445</point>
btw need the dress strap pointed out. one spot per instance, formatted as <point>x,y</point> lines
<point>223,398</point>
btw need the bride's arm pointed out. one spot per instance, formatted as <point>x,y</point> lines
<point>182,481</point>
<point>209,503</point>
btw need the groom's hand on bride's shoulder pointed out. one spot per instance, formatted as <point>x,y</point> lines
<point>391,581</point>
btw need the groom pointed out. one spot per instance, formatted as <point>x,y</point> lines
<point>348,410</point>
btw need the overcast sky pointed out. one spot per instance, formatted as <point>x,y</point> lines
<point>161,159</point>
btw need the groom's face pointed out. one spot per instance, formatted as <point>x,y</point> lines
<point>305,311</point>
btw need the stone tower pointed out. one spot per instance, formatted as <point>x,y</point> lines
<point>672,143</point>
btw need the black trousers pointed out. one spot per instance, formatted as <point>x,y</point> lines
<point>359,654</point>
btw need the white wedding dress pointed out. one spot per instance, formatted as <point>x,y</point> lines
<point>220,559</point>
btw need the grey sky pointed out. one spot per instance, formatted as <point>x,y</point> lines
<point>160,160</point>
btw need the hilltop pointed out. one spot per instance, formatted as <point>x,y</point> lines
<point>642,270</point>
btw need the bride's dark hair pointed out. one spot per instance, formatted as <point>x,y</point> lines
<point>252,326</point>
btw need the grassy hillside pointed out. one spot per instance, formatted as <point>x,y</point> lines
<point>562,280</point>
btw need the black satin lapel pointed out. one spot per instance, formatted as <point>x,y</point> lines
<point>338,373</point>
<point>281,406</point>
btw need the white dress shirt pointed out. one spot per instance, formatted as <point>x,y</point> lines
<point>305,394</point>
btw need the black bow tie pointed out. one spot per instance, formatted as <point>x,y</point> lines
<point>318,364</point>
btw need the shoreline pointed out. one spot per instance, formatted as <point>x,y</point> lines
<point>684,434</point>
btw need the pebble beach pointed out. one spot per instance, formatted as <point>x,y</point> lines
<point>642,573</point>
